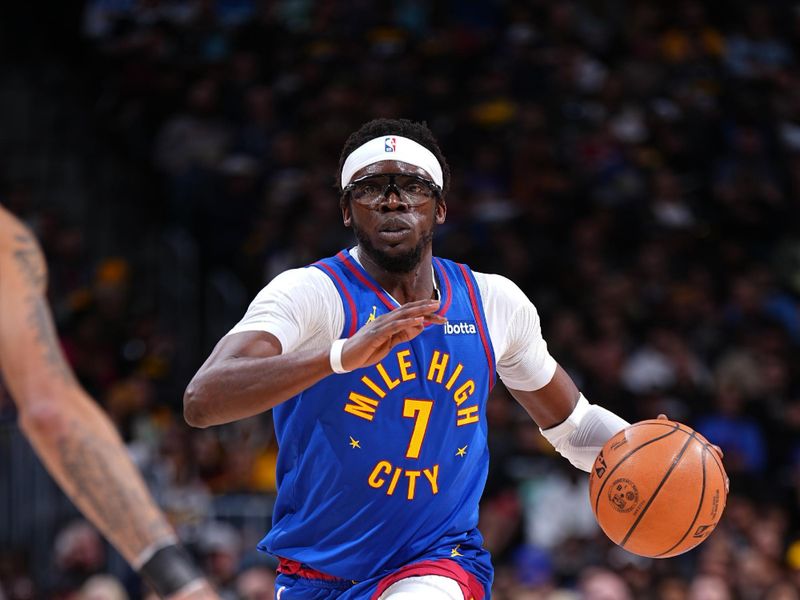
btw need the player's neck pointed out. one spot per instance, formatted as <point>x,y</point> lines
<point>417,284</point>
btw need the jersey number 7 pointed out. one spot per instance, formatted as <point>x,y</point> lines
<point>420,411</point>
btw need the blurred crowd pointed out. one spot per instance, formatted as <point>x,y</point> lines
<point>633,166</point>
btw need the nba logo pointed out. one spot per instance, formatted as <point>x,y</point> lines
<point>389,144</point>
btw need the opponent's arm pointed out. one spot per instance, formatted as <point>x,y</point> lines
<point>246,374</point>
<point>72,436</point>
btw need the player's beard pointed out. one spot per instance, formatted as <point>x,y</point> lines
<point>397,263</point>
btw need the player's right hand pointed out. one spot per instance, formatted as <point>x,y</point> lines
<point>716,448</point>
<point>374,340</point>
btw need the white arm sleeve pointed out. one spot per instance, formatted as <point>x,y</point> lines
<point>300,307</point>
<point>520,351</point>
<point>581,437</point>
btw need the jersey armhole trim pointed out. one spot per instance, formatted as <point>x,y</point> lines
<point>352,317</point>
<point>476,309</point>
<point>448,295</point>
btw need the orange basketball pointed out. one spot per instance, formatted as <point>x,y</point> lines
<point>657,488</point>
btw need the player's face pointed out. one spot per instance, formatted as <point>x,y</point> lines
<point>396,230</point>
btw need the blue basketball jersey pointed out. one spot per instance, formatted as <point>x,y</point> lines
<point>385,465</point>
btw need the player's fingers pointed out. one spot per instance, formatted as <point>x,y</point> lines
<point>418,303</point>
<point>721,454</point>
<point>435,319</point>
<point>420,307</point>
<point>372,342</point>
<point>662,417</point>
<point>385,344</point>
<point>389,328</point>
<point>407,334</point>
<point>431,318</point>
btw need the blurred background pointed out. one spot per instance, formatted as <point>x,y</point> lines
<point>633,166</point>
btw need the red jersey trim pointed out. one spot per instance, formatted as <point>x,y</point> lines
<point>345,294</point>
<point>473,298</point>
<point>363,279</point>
<point>292,567</point>
<point>448,296</point>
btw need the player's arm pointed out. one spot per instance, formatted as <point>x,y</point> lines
<point>71,435</point>
<point>245,375</point>
<point>576,428</point>
<point>248,372</point>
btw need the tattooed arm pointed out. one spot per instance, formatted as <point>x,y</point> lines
<point>72,436</point>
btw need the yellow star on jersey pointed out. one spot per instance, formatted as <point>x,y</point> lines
<point>462,452</point>
<point>354,443</point>
<point>454,552</point>
<point>372,316</point>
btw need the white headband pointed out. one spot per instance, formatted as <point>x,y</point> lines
<point>392,147</point>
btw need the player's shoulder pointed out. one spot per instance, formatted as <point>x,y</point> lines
<point>490,284</point>
<point>294,280</point>
<point>494,287</point>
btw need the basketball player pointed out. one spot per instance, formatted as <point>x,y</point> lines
<point>377,363</point>
<point>72,436</point>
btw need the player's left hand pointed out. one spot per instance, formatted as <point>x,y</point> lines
<point>716,448</point>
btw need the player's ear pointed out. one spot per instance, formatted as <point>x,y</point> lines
<point>440,211</point>
<point>344,205</point>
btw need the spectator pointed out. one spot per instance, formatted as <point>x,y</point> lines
<point>256,583</point>
<point>602,584</point>
<point>102,587</point>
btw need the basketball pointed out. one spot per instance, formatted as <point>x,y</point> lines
<point>657,488</point>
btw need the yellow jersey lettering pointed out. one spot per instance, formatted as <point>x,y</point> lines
<point>385,475</point>
<point>454,376</point>
<point>438,365</point>
<point>373,386</point>
<point>390,383</point>
<point>468,415</point>
<point>404,364</point>
<point>420,411</point>
<point>412,483</point>
<point>464,392</point>
<point>393,484</point>
<point>362,406</point>
<point>433,478</point>
<point>382,467</point>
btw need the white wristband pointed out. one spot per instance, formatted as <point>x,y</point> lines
<point>336,356</point>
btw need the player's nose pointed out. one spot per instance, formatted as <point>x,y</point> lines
<point>392,200</point>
